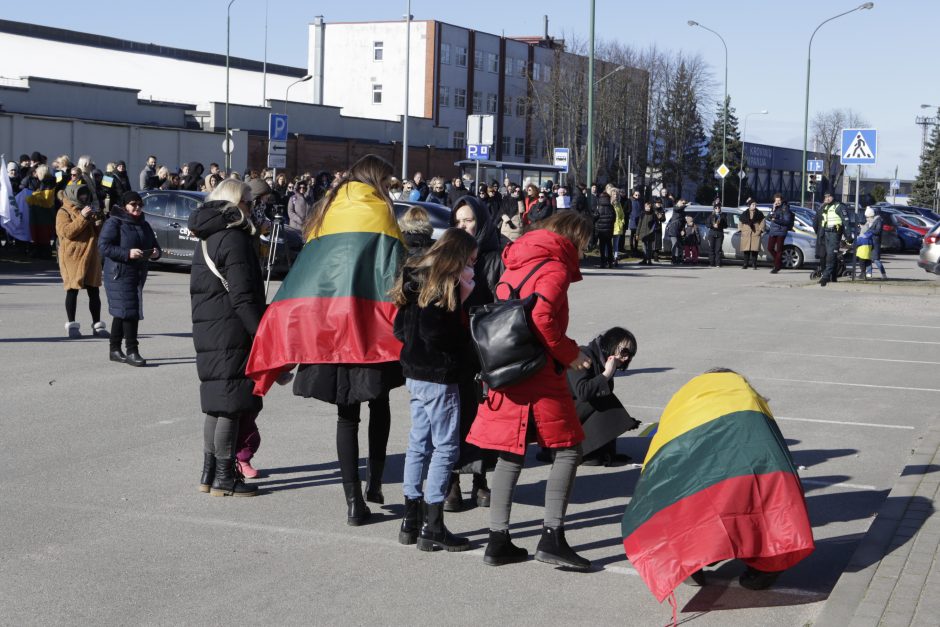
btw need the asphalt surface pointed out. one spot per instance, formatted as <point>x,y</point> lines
<point>102,523</point>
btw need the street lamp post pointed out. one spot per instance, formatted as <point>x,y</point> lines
<point>724,104</point>
<point>590,124</point>
<point>404,123</point>
<point>228,42</point>
<point>809,52</point>
<point>303,79</point>
<point>743,144</point>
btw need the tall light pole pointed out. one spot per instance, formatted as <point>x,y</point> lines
<point>724,104</point>
<point>404,122</point>
<point>590,124</point>
<point>743,143</point>
<point>228,46</point>
<point>264,75</point>
<point>809,52</point>
<point>303,79</point>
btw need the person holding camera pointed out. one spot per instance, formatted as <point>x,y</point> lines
<point>78,225</point>
<point>127,244</point>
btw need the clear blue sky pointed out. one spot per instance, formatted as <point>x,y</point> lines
<point>882,63</point>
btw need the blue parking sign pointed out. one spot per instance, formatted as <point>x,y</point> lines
<point>478,151</point>
<point>277,127</point>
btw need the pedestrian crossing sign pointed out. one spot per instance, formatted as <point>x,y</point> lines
<point>859,146</point>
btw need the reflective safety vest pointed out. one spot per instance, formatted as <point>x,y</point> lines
<point>831,217</point>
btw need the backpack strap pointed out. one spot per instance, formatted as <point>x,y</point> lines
<point>211,265</point>
<point>514,291</point>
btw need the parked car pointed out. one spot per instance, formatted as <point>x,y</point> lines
<point>168,212</point>
<point>930,251</point>
<point>915,223</point>
<point>799,247</point>
<point>910,209</point>
<point>439,214</point>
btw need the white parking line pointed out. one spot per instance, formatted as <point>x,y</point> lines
<point>831,484</point>
<point>872,324</point>
<point>817,420</point>
<point>896,361</point>
<point>854,385</point>
<point>881,339</point>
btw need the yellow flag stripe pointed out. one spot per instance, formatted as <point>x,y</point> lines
<point>705,398</point>
<point>357,208</point>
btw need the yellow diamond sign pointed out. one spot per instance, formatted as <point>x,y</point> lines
<point>723,170</point>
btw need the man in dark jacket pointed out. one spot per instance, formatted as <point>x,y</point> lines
<point>604,218</point>
<point>715,236</point>
<point>830,225</point>
<point>779,223</point>
<point>148,176</point>
<point>636,210</point>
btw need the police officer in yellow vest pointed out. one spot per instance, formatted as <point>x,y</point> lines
<point>831,222</point>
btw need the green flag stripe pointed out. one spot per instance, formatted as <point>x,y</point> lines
<point>362,265</point>
<point>737,444</point>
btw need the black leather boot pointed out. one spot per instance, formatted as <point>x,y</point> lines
<point>356,510</point>
<point>118,356</point>
<point>453,502</point>
<point>134,359</point>
<point>554,549</point>
<point>410,522</point>
<point>480,491</point>
<point>208,472</point>
<point>434,535</point>
<point>501,550</point>
<point>754,579</point>
<point>374,484</point>
<point>228,481</point>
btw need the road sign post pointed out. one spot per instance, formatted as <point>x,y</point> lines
<point>277,142</point>
<point>560,158</point>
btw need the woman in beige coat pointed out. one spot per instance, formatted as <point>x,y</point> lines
<point>78,223</point>
<point>751,226</point>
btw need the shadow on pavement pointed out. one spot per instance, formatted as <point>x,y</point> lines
<point>812,457</point>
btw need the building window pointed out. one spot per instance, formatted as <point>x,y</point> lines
<point>477,102</point>
<point>376,93</point>
<point>460,59</point>
<point>507,145</point>
<point>507,106</point>
<point>478,60</point>
<point>491,103</point>
<point>536,72</point>
<point>460,139</point>
<point>520,146</point>
<point>445,54</point>
<point>509,62</point>
<point>547,73</point>
<point>460,98</point>
<point>492,62</point>
<point>520,108</point>
<point>444,96</point>
<point>520,68</point>
<point>378,49</point>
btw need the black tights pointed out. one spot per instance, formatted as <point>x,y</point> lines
<point>124,329</point>
<point>347,438</point>
<point>94,304</point>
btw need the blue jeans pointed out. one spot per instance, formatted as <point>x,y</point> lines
<point>434,440</point>
<point>616,244</point>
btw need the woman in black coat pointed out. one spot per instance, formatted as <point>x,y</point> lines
<point>470,214</point>
<point>227,305</point>
<point>127,243</point>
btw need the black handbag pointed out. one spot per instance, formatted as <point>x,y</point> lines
<point>509,351</point>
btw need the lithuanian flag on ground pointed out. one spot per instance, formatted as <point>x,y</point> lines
<point>718,483</point>
<point>333,307</point>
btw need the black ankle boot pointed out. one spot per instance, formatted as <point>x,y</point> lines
<point>228,481</point>
<point>356,510</point>
<point>480,491</point>
<point>554,549</point>
<point>208,472</point>
<point>118,356</point>
<point>501,550</point>
<point>134,359</point>
<point>410,522</point>
<point>754,579</point>
<point>434,535</point>
<point>374,484</point>
<point>453,502</point>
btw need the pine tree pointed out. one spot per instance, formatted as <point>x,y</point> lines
<point>678,148</point>
<point>710,181</point>
<point>925,185</point>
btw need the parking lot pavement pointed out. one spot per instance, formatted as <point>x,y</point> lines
<point>102,521</point>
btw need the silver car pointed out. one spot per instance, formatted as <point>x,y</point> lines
<point>799,247</point>
<point>930,251</point>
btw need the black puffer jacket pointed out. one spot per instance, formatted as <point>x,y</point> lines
<point>490,244</point>
<point>434,340</point>
<point>124,277</point>
<point>225,322</point>
<point>604,216</point>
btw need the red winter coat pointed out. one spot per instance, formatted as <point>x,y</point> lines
<point>501,422</point>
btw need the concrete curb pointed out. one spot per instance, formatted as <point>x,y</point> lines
<point>884,567</point>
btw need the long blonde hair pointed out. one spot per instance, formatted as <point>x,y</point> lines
<point>372,170</point>
<point>437,272</point>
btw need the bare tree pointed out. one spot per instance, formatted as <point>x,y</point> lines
<point>827,135</point>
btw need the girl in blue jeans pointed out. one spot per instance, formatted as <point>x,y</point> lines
<point>431,324</point>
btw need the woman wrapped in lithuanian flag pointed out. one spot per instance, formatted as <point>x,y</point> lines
<point>333,316</point>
